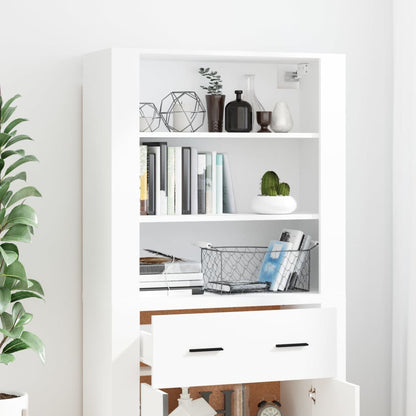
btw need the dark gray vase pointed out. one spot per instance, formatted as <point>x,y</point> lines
<point>215,110</point>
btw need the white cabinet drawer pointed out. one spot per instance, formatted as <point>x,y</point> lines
<point>237,347</point>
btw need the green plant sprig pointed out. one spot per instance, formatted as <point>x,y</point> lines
<point>17,222</point>
<point>271,185</point>
<point>214,81</point>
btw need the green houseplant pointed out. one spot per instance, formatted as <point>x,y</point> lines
<point>215,99</point>
<point>275,196</point>
<point>17,223</point>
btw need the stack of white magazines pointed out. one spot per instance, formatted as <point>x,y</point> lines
<point>178,277</point>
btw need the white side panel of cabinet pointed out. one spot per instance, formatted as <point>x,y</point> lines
<point>325,397</point>
<point>332,194</point>
<point>110,236</point>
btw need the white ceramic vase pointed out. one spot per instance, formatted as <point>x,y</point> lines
<point>281,118</point>
<point>17,406</point>
<point>264,204</point>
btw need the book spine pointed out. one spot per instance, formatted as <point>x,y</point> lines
<point>144,196</point>
<point>151,209</point>
<point>208,199</point>
<point>156,151</point>
<point>228,195</point>
<point>163,178</point>
<point>194,181</point>
<point>214,183</point>
<point>303,255</point>
<point>186,180</point>
<point>178,180</point>
<point>161,277</point>
<point>219,180</point>
<point>202,169</point>
<point>171,181</point>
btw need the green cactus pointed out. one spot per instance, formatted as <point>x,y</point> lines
<point>283,189</point>
<point>269,183</point>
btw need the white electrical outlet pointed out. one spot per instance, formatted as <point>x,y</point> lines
<point>289,75</point>
<point>284,80</point>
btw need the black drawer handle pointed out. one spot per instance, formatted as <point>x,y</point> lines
<point>299,344</point>
<point>206,349</point>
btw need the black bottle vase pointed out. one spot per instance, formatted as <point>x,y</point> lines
<point>238,115</point>
<point>215,110</point>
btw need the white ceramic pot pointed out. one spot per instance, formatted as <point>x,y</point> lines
<point>17,406</point>
<point>281,118</point>
<point>264,204</point>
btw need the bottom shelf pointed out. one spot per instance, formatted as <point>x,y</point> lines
<point>170,300</point>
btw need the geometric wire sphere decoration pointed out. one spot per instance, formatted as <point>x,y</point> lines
<point>149,117</point>
<point>182,111</point>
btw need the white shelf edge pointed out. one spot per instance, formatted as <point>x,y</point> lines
<point>225,135</point>
<point>211,300</point>
<point>150,219</point>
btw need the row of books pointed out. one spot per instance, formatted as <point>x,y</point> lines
<point>177,180</point>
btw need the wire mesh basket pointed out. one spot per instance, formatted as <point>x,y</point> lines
<point>229,270</point>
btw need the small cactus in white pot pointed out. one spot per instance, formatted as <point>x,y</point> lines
<point>275,196</point>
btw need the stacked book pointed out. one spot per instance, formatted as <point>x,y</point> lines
<point>175,277</point>
<point>179,180</point>
<point>285,262</point>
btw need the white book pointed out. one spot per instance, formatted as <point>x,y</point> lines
<point>229,197</point>
<point>171,181</point>
<point>208,195</point>
<point>160,277</point>
<point>219,180</point>
<point>177,283</point>
<point>156,151</point>
<point>178,180</point>
<point>294,237</point>
<point>194,181</point>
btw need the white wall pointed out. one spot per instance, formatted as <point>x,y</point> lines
<point>41,49</point>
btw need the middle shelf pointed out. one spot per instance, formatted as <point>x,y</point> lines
<point>228,217</point>
<point>155,302</point>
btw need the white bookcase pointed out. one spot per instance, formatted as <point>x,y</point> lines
<point>310,158</point>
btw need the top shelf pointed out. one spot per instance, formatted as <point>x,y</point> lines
<point>226,135</point>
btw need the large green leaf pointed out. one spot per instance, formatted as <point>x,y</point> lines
<point>24,320</point>
<point>6,114</point>
<point>31,285</point>
<point>9,153</point>
<point>9,257</point>
<point>22,214</point>
<point>25,159</point>
<point>13,124</point>
<point>16,139</point>
<point>4,187</point>
<point>35,343</point>
<point>5,299</point>
<point>10,247</point>
<point>17,311</point>
<point>8,103</point>
<point>23,193</point>
<point>23,294</point>
<point>21,175</point>
<point>7,197</point>
<point>6,358</point>
<point>16,270</point>
<point>19,232</point>
<point>6,321</point>
<point>14,346</point>
<point>3,138</point>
